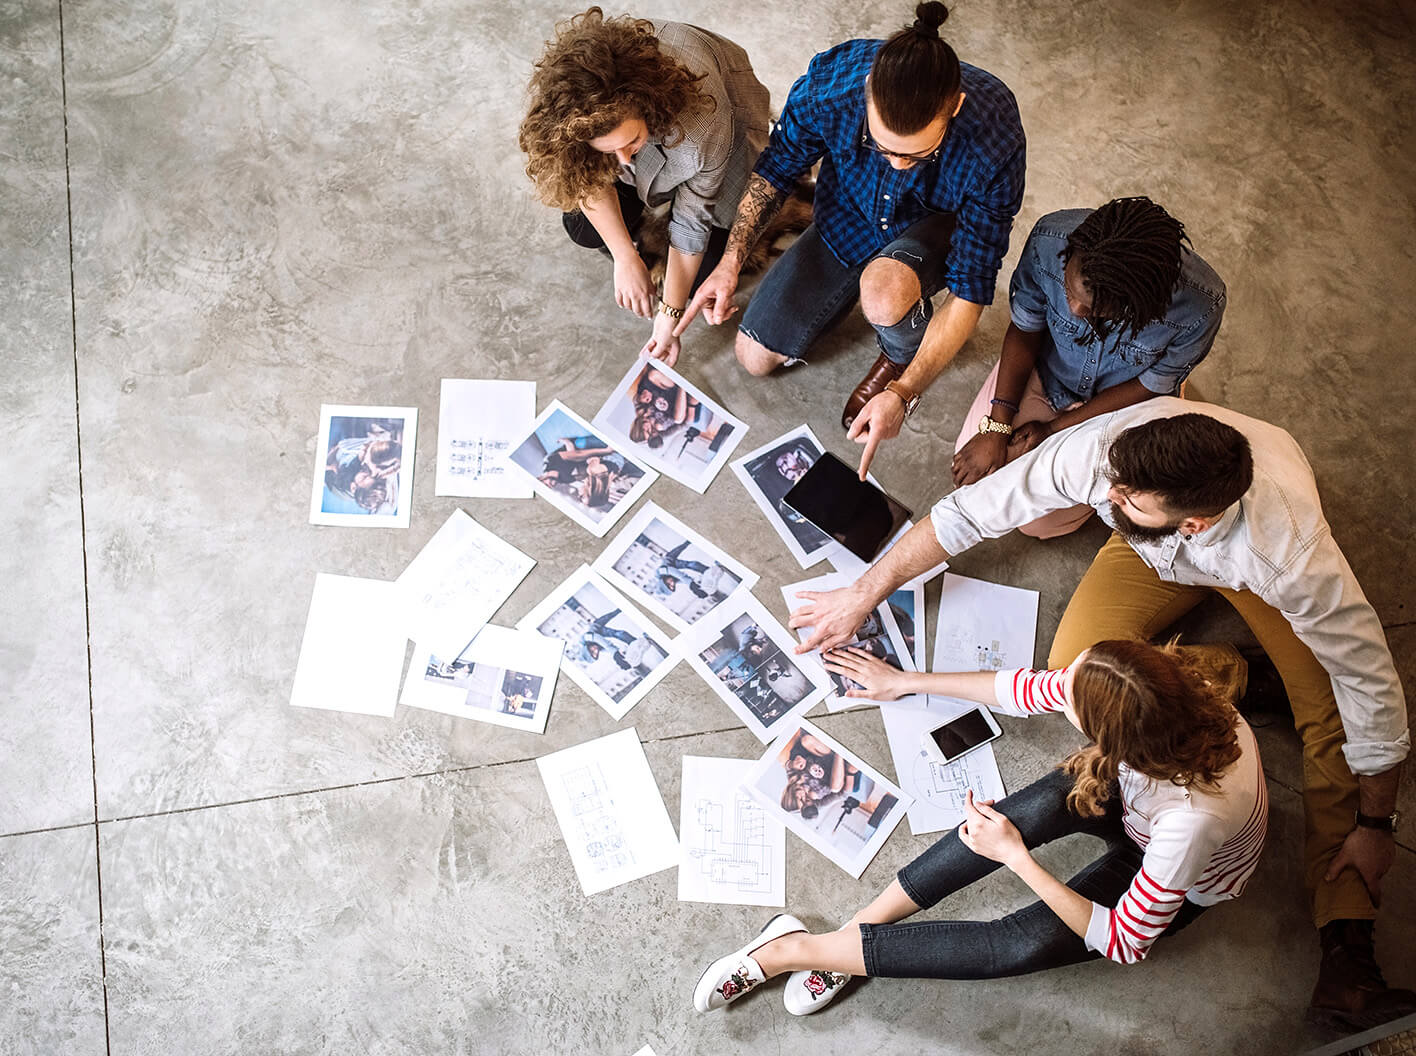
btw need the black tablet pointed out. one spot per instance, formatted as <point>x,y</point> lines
<point>852,511</point>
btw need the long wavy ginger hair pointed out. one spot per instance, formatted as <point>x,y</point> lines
<point>595,74</point>
<point>1148,707</point>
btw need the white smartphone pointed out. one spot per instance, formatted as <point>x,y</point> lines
<point>956,738</point>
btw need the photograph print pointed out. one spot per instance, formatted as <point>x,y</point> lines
<point>768,474</point>
<point>879,635</point>
<point>747,657</point>
<point>670,424</point>
<point>675,573</point>
<point>364,466</point>
<point>612,651</point>
<point>577,470</point>
<point>504,677</point>
<point>831,798</point>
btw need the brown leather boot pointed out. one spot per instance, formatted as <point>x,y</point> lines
<point>871,385</point>
<point>1351,994</point>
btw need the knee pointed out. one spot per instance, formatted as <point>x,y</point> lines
<point>756,359</point>
<point>888,290</point>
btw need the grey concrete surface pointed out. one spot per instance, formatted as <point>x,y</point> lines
<point>276,205</point>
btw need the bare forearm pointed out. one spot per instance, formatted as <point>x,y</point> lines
<point>1377,792</point>
<point>918,551</point>
<point>759,204</point>
<point>947,332</point>
<point>976,686</point>
<point>1104,402</point>
<point>603,212</point>
<point>1074,910</point>
<point>678,276</point>
<point>1015,366</point>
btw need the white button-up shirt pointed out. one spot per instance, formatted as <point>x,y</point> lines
<point>1273,542</point>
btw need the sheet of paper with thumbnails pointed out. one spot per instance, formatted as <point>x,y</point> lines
<point>660,591</point>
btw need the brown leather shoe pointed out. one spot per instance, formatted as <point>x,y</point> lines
<point>1351,994</point>
<point>871,385</point>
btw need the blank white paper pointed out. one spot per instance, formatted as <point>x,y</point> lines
<point>352,654</point>
<point>731,851</point>
<point>478,422</point>
<point>610,812</point>
<point>456,584</point>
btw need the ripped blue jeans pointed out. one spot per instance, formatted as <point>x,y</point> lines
<point>808,290</point>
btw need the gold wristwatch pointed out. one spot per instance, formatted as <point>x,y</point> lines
<point>666,309</point>
<point>988,425</point>
<point>908,398</point>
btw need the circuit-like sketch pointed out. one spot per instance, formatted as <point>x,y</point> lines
<point>593,808</point>
<point>943,785</point>
<point>961,648</point>
<point>738,856</point>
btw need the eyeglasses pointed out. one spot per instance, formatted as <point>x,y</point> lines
<point>868,142</point>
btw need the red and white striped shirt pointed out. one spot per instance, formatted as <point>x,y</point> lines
<point>1200,844</point>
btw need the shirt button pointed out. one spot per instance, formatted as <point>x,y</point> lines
<point>884,226</point>
<point>887,197</point>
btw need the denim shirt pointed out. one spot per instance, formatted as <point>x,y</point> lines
<point>1073,369</point>
<point>1273,542</point>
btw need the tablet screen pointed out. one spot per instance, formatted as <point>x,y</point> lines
<point>852,511</point>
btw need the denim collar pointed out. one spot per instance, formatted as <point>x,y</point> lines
<point>1219,530</point>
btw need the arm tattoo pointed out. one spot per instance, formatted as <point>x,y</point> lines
<point>759,204</point>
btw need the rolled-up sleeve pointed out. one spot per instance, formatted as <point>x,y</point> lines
<point>796,142</point>
<point>1062,471</point>
<point>1027,302</point>
<point>1184,353</point>
<point>983,223</point>
<point>1329,613</point>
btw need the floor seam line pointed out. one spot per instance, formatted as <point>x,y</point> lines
<point>48,828</point>
<point>83,523</point>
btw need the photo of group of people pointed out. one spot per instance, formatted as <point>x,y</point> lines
<point>503,676</point>
<point>746,656</point>
<point>611,651</point>
<point>768,474</point>
<point>670,569</point>
<point>670,424</point>
<point>830,798</point>
<point>362,464</point>
<point>879,635</point>
<point>577,471</point>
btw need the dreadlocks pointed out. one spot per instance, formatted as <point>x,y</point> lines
<point>1129,255</point>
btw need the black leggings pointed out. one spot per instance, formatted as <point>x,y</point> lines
<point>582,232</point>
<point>1033,938</point>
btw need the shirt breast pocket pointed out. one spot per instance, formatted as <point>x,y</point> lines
<point>1136,354</point>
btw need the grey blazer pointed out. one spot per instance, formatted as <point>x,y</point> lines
<point>705,172</point>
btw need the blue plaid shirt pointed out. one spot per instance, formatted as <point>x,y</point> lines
<point>863,204</point>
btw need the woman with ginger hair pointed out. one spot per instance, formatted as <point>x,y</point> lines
<point>1172,782</point>
<point>626,112</point>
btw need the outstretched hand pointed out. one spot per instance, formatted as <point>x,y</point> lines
<point>878,680</point>
<point>878,421</point>
<point>714,299</point>
<point>833,615</point>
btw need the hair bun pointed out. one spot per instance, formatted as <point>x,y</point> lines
<point>929,17</point>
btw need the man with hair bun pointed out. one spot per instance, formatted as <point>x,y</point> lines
<point>1109,308</point>
<point>922,161</point>
<point>1203,501</point>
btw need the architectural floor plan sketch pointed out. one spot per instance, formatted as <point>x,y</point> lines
<point>938,788</point>
<point>609,810</point>
<point>983,626</point>
<point>730,850</point>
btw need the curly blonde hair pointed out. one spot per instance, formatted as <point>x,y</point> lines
<point>1147,706</point>
<point>596,74</point>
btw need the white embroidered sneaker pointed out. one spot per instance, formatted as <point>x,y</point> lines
<point>728,978</point>
<point>809,992</point>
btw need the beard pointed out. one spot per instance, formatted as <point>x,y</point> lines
<point>1139,533</point>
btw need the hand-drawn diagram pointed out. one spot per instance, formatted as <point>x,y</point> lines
<point>593,808</point>
<point>738,856</point>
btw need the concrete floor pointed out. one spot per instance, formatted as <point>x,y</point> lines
<point>217,215</point>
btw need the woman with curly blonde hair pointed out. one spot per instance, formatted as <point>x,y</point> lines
<point>1172,782</point>
<point>626,112</point>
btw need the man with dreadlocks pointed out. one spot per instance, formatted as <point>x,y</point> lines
<point>1109,308</point>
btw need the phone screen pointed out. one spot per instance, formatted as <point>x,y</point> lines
<point>956,737</point>
<point>852,511</point>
